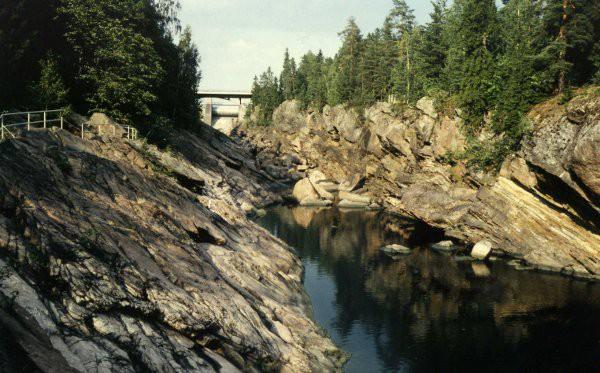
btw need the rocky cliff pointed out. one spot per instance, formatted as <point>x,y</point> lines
<point>117,256</point>
<point>542,208</point>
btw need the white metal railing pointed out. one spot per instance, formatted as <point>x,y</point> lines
<point>27,120</point>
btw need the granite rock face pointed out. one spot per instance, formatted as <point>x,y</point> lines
<point>542,208</point>
<point>116,256</point>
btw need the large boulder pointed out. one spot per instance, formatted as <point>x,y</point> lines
<point>586,157</point>
<point>344,121</point>
<point>482,250</point>
<point>447,137</point>
<point>289,116</point>
<point>351,183</point>
<point>303,190</point>
<point>427,106</point>
<point>317,180</point>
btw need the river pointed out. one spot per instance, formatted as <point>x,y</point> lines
<point>429,311</point>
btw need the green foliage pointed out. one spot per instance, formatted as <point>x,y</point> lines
<point>116,56</point>
<point>265,98</point>
<point>117,63</point>
<point>49,90</point>
<point>186,107</point>
<point>346,76</point>
<point>289,82</point>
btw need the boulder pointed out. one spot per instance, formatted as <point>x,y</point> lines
<point>427,106</point>
<point>482,250</point>
<point>516,169</point>
<point>289,116</point>
<point>317,178</point>
<point>395,250</point>
<point>303,190</point>
<point>447,137</point>
<point>586,157</point>
<point>352,183</point>
<point>444,246</point>
<point>343,121</point>
<point>353,197</point>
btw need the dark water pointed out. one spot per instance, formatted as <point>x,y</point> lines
<point>432,312</point>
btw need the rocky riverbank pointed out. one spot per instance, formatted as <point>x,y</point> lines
<point>117,256</point>
<point>543,208</point>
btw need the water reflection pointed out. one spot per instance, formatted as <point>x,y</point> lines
<point>429,311</point>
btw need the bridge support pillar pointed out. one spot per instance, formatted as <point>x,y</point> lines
<point>207,112</point>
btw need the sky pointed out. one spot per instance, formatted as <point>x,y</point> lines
<point>239,39</point>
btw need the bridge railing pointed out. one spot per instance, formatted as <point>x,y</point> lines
<point>28,120</point>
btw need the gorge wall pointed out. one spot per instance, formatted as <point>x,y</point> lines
<point>542,208</point>
<point>117,256</point>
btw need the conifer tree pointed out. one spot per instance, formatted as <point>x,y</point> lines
<point>345,77</point>
<point>476,33</point>
<point>187,106</point>
<point>288,79</point>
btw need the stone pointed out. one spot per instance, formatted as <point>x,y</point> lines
<point>317,178</point>
<point>352,204</point>
<point>189,264</point>
<point>395,249</point>
<point>312,202</point>
<point>516,169</point>
<point>352,183</point>
<point>427,106</point>
<point>480,269</point>
<point>343,121</point>
<point>447,138</point>
<point>353,197</point>
<point>482,250</point>
<point>444,246</point>
<point>289,117</point>
<point>304,190</point>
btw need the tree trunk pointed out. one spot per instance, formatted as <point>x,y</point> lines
<point>562,38</point>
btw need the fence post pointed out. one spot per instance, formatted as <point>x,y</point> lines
<point>82,130</point>
<point>44,119</point>
<point>61,122</point>
<point>2,126</point>
<point>28,121</point>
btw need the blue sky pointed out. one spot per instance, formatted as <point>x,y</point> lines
<point>241,38</point>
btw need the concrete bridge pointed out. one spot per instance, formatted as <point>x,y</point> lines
<point>224,115</point>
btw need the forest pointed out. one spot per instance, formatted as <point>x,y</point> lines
<point>130,59</point>
<point>493,62</point>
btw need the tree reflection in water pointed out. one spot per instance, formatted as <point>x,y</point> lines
<point>428,311</point>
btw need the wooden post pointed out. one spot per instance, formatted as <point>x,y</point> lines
<point>28,121</point>
<point>44,119</point>
<point>82,130</point>
<point>2,127</point>
<point>61,122</point>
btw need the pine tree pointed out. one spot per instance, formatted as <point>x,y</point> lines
<point>345,76</point>
<point>571,30</point>
<point>476,34</point>
<point>265,97</point>
<point>402,22</point>
<point>288,79</point>
<point>432,51</point>
<point>186,109</point>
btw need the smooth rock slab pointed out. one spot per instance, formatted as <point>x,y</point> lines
<point>482,250</point>
<point>346,204</point>
<point>311,202</point>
